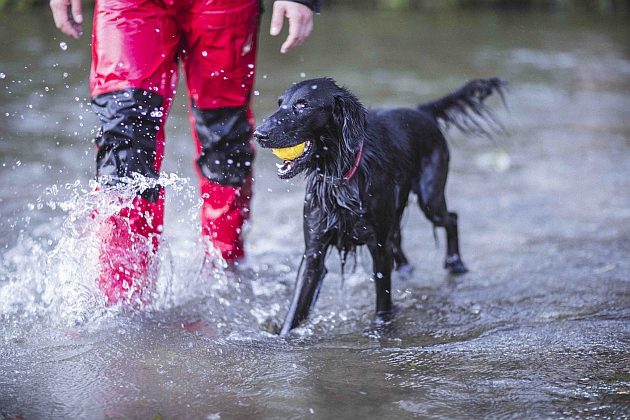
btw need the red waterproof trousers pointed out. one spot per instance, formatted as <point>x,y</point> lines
<point>136,49</point>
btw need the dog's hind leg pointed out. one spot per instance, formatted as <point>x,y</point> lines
<point>430,190</point>
<point>382,262</point>
<point>401,263</point>
<point>453,261</point>
<point>400,260</point>
<point>448,220</point>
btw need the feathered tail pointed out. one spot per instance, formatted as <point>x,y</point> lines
<point>465,109</point>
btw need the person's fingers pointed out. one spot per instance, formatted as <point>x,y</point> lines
<point>300,25</point>
<point>293,40</point>
<point>77,13</point>
<point>59,10</point>
<point>277,18</point>
<point>307,27</point>
<point>71,29</point>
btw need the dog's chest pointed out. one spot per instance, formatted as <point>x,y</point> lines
<point>354,231</point>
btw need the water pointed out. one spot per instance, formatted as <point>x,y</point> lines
<point>538,328</point>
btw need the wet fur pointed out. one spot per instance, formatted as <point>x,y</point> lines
<point>404,150</point>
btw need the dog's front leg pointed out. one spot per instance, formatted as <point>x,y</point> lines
<point>382,261</point>
<point>311,274</point>
<point>305,294</point>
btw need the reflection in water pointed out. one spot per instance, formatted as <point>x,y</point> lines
<point>538,328</point>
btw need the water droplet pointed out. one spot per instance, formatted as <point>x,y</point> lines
<point>251,66</point>
<point>256,93</point>
<point>65,75</point>
<point>63,46</point>
<point>204,53</point>
<point>2,75</point>
<point>302,75</point>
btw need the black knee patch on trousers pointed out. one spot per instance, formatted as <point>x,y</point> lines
<point>226,155</point>
<point>130,120</point>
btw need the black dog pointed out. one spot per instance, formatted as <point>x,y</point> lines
<point>360,167</point>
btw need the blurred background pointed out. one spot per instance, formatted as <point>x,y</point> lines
<point>604,6</point>
<point>538,328</point>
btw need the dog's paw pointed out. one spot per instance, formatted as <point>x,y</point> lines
<point>271,325</point>
<point>404,271</point>
<point>382,326</point>
<point>383,318</point>
<point>455,265</point>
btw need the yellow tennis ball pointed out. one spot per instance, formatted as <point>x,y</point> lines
<point>289,153</point>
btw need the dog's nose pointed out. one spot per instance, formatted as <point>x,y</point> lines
<point>261,135</point>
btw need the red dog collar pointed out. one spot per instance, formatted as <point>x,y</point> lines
<point>354,168</point>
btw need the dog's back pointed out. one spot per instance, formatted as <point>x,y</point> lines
<point>411,134</point>
<point>408,133</point>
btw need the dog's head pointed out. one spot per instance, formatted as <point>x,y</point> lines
<point>317,123</point>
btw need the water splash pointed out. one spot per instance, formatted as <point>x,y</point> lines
<point>51,274</point>
<point>55,278</point>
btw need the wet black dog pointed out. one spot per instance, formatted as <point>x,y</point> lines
<point>360,167</point>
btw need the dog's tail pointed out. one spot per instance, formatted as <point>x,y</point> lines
<point>465,109</point>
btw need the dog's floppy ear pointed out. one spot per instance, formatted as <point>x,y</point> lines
<point>350,116</point>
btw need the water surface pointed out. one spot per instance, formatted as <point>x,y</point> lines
<point>538,328</point>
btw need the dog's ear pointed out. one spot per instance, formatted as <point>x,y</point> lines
<point>350,117</point>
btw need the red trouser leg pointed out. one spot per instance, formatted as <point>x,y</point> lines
<point>220,62</point>
<point>222,216</point>
<point>133,79</point>
<point>129,240</point>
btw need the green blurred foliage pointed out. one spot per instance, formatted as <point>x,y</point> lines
<point>599,6</point>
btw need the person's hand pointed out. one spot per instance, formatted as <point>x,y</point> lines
<point>69,26</point>
<point>300,22</point>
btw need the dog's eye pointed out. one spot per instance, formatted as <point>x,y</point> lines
<point>299,105</point>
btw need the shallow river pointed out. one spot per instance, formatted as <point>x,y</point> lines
<point>540,327</point>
